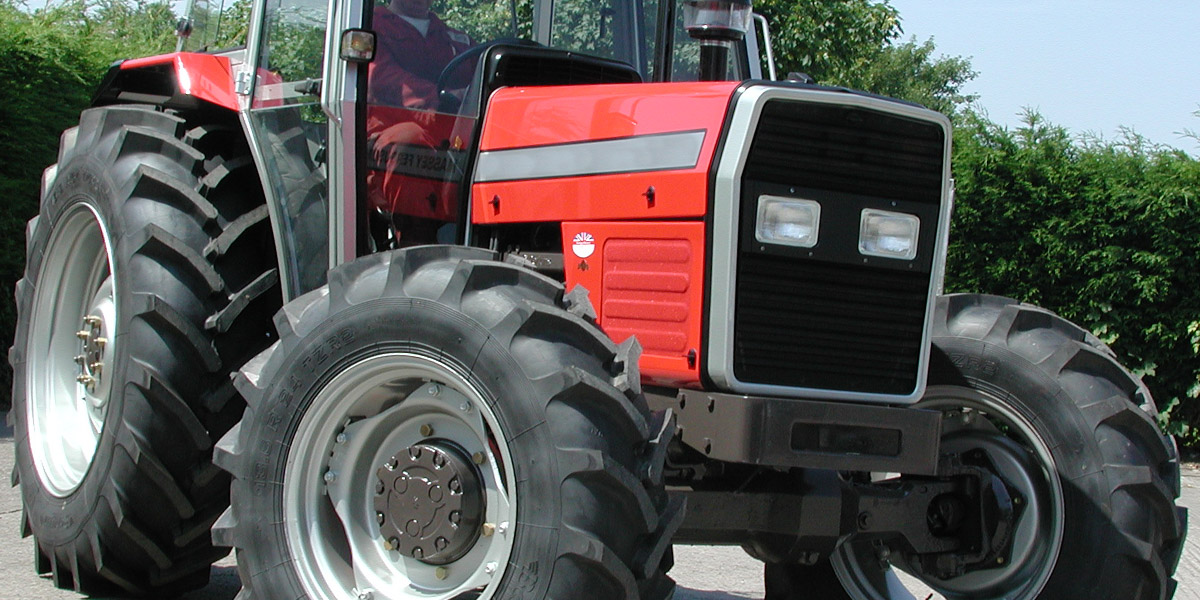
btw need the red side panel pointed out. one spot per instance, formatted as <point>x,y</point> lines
<point>572,116</point>
<point>202,76</point>
<point>645,279</point>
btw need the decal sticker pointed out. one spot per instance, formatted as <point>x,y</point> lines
<point>583,245</point>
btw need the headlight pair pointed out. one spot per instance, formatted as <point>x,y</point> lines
<point>797,222</point>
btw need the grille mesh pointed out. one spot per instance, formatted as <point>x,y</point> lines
<point>845,149</point>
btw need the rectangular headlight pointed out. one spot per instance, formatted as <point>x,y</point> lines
<point>787,221</point>
<point>888,234</point>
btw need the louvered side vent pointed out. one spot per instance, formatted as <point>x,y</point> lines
<point>832,319</point>
<point>646,284</point>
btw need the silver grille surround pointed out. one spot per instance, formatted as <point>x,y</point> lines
<point>726,214</point>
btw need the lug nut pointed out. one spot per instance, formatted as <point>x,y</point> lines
<point>434,390</point>
<point>426,430</point>
<point>465,407</point>
<point>330,476</point>
<point>479,458</point>
<point>87,380</point>
<point>83,335</point>
<point>100,342</point>
<point>487,529</point>
<point>341,438</point>
<point>490,568</point>
<point>92,320</point>
<point>502,528</point>
<point>441,572</point>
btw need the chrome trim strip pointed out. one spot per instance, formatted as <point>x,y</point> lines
<point>655,152</point>
<point>725,217</point>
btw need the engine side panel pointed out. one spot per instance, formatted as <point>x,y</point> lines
<point>598,152</point>
<point>644,279</point>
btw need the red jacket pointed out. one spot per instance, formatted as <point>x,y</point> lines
<point>407,64</point>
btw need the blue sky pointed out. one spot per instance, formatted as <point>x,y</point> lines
<point>1092,66</point>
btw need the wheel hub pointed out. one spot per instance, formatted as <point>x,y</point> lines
<point>429,502</point>
<point>91,361</point>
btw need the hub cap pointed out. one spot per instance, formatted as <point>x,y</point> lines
<point>429,503</point>
<point>70,350</point>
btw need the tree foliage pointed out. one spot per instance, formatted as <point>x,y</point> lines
<point>856,44</point>
<point>1106,233</point>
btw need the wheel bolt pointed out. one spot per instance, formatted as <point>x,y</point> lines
<point>100,342</point>
<point>92,320</point>
<point>330,476</point>
<point>83,335</point>
<point>434,390</point>
<point>341,438</point>
<point>465,407</point>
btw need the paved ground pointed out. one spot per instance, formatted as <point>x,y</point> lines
<point>703,573</point>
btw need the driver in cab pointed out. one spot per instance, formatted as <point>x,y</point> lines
<point>414,46</point>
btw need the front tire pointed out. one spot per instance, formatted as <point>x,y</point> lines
<point>437,424</point>
<point>1072,434</point>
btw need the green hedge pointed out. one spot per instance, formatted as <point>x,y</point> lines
<point>1106,233</point>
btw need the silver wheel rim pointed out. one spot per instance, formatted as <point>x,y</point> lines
<point>977,420</point>
<point>72,339</point>
<point>372,410</point>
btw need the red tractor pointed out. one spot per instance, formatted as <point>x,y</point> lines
<point>593,288</point>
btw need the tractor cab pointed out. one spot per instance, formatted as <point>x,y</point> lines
<point>368,119</point>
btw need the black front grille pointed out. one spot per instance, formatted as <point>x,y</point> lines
<point>846,149</point>
<point>829,318</point>
<point>825,326</point>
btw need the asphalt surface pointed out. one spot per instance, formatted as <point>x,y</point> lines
<point>703,573</point>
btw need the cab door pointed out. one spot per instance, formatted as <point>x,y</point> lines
<point>299,114</point>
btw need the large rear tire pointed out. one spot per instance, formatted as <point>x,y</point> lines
<point>149,273</point>
<point>436,424</point>
<point>1070,432</point>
